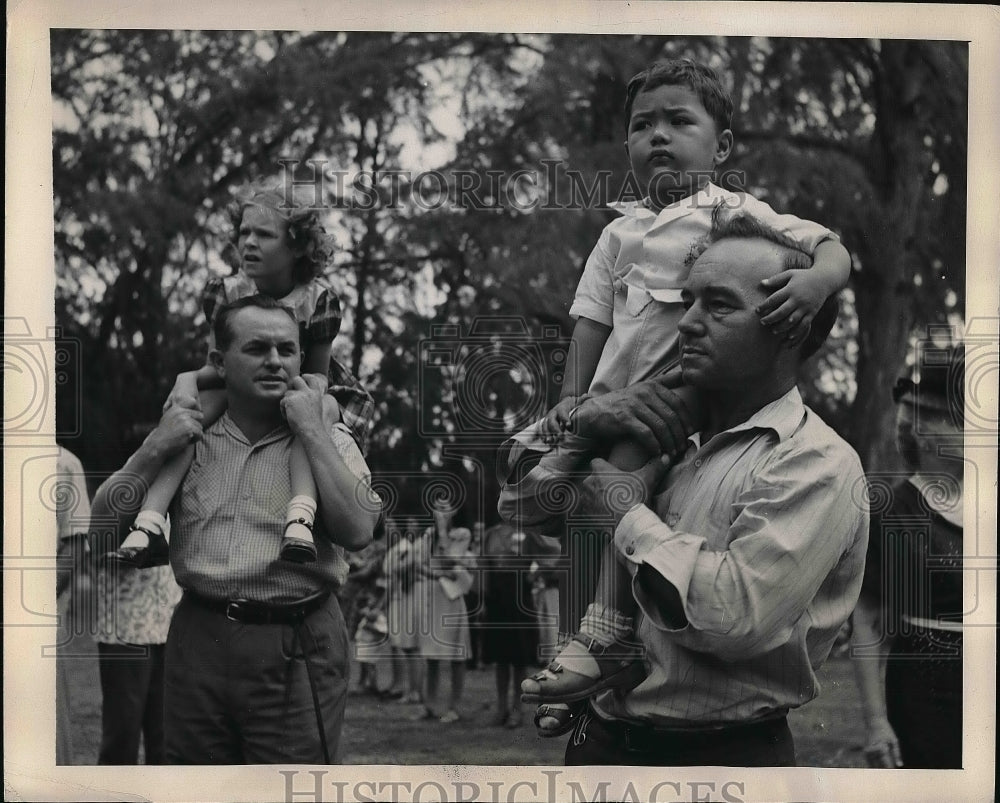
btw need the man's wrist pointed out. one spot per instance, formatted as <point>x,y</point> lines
<point>311,430</point>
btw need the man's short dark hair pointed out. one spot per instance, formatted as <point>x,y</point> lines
<point>699,78</point>
<point>727,224</point>
<point>221,329</point>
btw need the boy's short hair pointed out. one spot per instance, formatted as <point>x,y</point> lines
<point>727,224</point>
<point>699,78</point>
<point>221,329</point>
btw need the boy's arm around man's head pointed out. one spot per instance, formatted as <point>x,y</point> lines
<point>797,295</point>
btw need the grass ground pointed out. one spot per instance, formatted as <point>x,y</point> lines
<point>827,731</point>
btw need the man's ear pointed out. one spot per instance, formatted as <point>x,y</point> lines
<point>723,146</point>
<point>215,358</point>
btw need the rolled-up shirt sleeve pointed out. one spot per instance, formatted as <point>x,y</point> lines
<point>540,484</point>
<point>804,232</point>
<point>788,531</point>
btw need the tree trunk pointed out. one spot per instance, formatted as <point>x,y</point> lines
<point>885,285</point>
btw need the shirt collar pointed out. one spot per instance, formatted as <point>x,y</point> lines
<point>708,196</point>
<point>782,416</point>
<point>233,429</point>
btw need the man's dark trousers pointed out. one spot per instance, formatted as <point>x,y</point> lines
<point>239,693</point>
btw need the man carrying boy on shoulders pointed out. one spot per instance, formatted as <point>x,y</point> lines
<point>746,551</point>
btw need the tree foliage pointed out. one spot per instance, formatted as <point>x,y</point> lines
<point>153,131</point>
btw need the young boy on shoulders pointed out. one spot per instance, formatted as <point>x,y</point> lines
<point>627,307</point>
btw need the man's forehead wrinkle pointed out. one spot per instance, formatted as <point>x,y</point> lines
<point>263,323</point>
<point>712,275</point>
<point>266,339</point>
<point>728,262</point>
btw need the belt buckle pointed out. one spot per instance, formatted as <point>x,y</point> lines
<point>233,610</point>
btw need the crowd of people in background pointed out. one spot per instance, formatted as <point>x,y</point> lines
<point>423,601</point>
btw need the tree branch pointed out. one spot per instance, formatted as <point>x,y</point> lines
<point>808,141</point>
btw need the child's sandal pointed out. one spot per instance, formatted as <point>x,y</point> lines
<point>295,549</point>
<point>566,715</point>
<point>556,684</point>
<point>155,553</point>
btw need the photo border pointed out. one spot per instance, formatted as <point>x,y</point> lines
<point>29,710</point>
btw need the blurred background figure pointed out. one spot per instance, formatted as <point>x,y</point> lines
<point>72,520</point>
<point>363,599</point>
<point>907,635</point>
<point>371,644</point>
<point>134,607</point>
<point>443,565</point>
<point>510,629</point>
<point>545,592</point>
<point>399,570</point>
<point>474,598</point>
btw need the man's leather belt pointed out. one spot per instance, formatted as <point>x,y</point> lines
<point>649,738</point>
<point>261,613</point>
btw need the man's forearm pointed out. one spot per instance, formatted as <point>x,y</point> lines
<point>869,663</point>
<point>121,496</point>
<point>347,505</point>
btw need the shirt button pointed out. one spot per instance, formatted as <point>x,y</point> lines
<point>630,550</point>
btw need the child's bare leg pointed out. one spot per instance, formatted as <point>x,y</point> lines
<point>609,619</point>
<point>601,655</point>
<point>150,526</point>
<point>150,522</point>
<point>298,544</point>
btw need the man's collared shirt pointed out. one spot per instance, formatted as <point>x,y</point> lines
<point>640,259</point>
<point>229,517</point>
<point>763,532</point>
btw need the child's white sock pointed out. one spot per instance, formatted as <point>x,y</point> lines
<point>147,519</point>
<point>304,508</point>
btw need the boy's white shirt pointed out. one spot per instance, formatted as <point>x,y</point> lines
<point>639,259</point>
<point>619,291</point>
